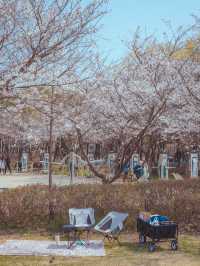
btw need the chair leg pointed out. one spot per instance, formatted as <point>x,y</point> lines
<point>117,239</point>
<point>70,240</point>
<point>87,237</point>
<point>73,237</point>
<point>110,239</point>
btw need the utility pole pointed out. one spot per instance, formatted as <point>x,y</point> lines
<point>51,138</point>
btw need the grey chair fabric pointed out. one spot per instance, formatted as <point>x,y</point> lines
<point>111,225</point>
<point>81,217</point>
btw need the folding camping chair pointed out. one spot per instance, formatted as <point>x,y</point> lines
<point>80,221</point>
<point>81,217</point>
<point>111,226</point>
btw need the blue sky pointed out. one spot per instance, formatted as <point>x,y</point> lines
<point>125,15</point>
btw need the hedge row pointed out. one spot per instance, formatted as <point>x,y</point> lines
<point>28,207</point>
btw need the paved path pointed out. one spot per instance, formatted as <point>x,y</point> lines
<point>22,179</point>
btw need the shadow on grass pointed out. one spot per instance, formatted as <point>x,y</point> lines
<point>187,244</point>
<point>127,248</point>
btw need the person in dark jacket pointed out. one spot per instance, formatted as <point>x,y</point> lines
<point>7,166</point>
<point>138,170</point>
<point>19,166</point>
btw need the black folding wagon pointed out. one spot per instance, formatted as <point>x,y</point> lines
<point>165,231</point>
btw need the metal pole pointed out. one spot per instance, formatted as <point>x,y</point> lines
<point>72,167</point>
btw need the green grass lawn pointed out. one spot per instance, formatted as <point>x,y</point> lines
<point>128,254</point>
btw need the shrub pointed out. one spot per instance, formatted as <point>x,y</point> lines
<point>28,207</point>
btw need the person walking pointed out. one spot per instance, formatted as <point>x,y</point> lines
<point>7,162</point>
<point>0,164</point>
<point>19,166</point>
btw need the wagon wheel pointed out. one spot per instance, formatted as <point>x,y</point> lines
<point>142,239</point>
<point>174,245</point>
<point>152,247</point>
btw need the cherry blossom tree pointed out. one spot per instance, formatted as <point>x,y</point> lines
<point>44,44</point>
<point>133,100</point>
<point>54,84</point>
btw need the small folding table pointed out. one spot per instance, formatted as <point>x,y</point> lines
<point>75,232</point>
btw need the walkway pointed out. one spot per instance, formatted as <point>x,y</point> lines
<point>23,179</point>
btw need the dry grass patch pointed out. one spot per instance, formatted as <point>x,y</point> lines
<point>128,254</point>
<point>27,208</point>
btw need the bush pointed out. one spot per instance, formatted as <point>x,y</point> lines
<point>28,207</point>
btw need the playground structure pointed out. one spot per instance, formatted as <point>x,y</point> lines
<point>134,161</point>
<point>163,166</point>
<point>194,161</point>
<point>73,165</point>
<point>24,162</point>
<point>111,163</point>
<point>168,160</point>
<point>180,156</point>
<point>45,162</point>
